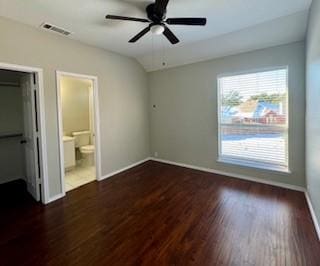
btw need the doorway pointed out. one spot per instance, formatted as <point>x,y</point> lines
<point>78,130</point>
<point>23,164</point>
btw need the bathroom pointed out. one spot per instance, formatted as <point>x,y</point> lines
<point>78,128</point>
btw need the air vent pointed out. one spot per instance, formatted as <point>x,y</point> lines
<point>54,28</point>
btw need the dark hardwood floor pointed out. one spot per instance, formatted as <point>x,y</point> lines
<point>157,214</point>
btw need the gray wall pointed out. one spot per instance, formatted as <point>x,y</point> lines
<point>184,122</point>
<point>313,107</point>
<point>75,105</point>
<point>11,122</point>
<point>183,125</point>
<point>123,92</point>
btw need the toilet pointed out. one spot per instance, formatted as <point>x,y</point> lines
<point>87,151</point>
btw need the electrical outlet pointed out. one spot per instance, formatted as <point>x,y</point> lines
<point>156,154</point>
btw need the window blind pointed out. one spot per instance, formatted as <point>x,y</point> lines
<point>253,117</point>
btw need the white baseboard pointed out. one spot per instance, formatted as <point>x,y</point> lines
<point>124,169</point>
<point>313,215</point>
<point>273,183</point>
<point>218,172</point>
<point>248,178</point>
<point>59,196</point>
<point>54,198</point>
<point>5,180</point>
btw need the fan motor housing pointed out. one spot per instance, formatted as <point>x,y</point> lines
<point>153,16</point>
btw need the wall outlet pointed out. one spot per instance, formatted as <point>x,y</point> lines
<point>156,154</point>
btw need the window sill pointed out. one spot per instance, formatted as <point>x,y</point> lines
<point>255,165</point>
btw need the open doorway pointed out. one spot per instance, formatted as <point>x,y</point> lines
<point>78,130</point>
<point>22,142</point>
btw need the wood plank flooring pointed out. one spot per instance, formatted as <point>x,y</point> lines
<point>157,214</point>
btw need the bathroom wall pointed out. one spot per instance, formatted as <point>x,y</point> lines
<point>75,104</point>
<point>11,121</point>
<point>123,93</point>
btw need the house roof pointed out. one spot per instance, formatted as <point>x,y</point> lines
<point>251,109</point>
<point>249,106</point>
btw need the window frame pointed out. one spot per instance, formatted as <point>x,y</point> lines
<point>247,163</point>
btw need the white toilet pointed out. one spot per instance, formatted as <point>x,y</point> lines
<point>87,151</point>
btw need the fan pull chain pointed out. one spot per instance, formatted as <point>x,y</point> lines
<point>163,54</point>
<point>153,52</point>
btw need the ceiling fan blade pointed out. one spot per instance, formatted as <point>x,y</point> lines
<point>161,6</point>
<point>140,34</point>
<point>187,21</point>
<point>170,36</point>
<point>126,18</point>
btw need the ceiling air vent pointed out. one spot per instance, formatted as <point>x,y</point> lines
<point>54,28</point>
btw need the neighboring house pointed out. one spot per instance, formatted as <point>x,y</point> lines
<point>254,111</point>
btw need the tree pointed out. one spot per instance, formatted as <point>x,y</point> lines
<point>269,98</point>
<point>232,99</point>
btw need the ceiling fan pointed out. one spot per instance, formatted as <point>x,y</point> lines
<point>158,22</point>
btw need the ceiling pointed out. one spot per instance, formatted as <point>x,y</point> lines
<point>228,20</point>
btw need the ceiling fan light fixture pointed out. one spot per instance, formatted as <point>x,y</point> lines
<point>158,22</point>
<point>157,29</point>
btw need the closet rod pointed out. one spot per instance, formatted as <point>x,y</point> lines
<point>8,136</point>
<point>9,84</point>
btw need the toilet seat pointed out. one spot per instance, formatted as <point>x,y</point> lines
<point>87,149</point>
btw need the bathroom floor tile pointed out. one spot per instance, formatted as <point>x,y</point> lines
<point>79,177</point>
<point>68,187</point>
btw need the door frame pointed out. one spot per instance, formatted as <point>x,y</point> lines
<point>94,79</point>
<point>42,124</point>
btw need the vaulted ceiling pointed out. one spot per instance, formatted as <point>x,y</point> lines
<point>233,26</point>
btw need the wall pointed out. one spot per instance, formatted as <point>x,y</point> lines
<point>11,122</point>
<point>313,107</point>
<point>75,105</point>
<point>183,125</point>
<point>123,93</point>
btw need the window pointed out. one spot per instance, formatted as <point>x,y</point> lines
<point>253,119</point>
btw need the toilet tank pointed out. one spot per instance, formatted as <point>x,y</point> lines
<point>82,138</point>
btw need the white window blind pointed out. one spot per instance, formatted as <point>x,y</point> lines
<point>253,118</point>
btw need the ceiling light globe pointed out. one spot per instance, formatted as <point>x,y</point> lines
<point>157,29</point>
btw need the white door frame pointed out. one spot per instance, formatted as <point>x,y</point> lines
<point>42,128</point>
<point>94,80</point>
